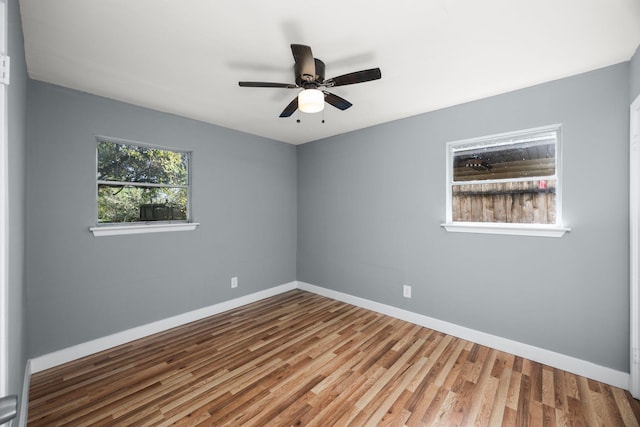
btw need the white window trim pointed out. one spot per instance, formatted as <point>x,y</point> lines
<point>115,230</point>
<point>539,230</point>
<point>516,229</point>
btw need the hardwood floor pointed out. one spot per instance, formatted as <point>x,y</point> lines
<point>302,359</point>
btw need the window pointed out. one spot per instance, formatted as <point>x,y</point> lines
<point>140,185</point>
<point>508,183</point>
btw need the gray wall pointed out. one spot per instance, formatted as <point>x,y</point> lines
<point>369,208</point>
<point>17,138</point>
<point>634,81</point>
<point>370,205</point>
<point>80,287</point>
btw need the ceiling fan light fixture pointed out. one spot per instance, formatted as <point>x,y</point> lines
<point>309,76</point>
<point>311,101</point>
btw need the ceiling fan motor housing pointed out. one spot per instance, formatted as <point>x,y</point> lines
<point>310,82</point>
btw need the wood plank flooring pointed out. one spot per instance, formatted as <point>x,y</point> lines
<point>299,359</point>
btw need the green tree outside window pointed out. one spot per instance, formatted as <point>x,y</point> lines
<point>138,183</point>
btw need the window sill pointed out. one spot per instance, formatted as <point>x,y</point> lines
<point>115,230</point>
<point>539,230</point>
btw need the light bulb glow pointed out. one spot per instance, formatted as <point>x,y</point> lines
<point>311,101</point>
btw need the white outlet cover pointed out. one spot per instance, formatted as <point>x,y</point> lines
<point>406,291</point>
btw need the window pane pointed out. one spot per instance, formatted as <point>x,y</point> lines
<point>135,163</point>
<point>512,161</point>
<point>118,204</point>
<point>525,202</point>
<point>511,178</point>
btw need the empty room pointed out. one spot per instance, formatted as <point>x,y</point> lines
<point>334,214</point>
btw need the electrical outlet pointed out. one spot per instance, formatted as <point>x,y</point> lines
<point>234,282</point>
<point>406,291</point>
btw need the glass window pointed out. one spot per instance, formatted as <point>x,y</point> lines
<point>509,178</point>
<point>139,183</point>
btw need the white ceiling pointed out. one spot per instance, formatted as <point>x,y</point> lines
<point>187,56</point>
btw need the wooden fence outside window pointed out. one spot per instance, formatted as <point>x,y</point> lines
<point>528,202</point>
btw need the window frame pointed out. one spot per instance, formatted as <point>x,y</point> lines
<point>521,229</point>
<point>141,227</point>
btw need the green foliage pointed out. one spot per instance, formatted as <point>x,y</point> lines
<point>136,163</point>
<point>140,165</point>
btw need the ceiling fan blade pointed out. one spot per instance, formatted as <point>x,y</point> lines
<point>267,84</point>
<point>305,64</point>
<point>356,77</point>
<point>336,101</point>
<point>290,109</point>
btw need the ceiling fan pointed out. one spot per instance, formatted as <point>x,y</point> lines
<point>309,76</point>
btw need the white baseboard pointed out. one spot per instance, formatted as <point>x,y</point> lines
<point>59,357</point>
<point>547,357</point>
<point>537,354</point>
